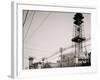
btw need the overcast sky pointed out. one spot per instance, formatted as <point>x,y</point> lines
<point>46,32</point>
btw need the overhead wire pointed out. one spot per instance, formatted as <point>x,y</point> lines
<point>36,49</point>
<point>29,25</point>
<point>41,23</point>
<point>63,50</point>
<point>25,17</point>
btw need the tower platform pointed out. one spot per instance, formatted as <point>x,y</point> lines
<point>78,39</point>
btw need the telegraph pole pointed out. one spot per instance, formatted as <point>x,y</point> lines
<point>61,50</point>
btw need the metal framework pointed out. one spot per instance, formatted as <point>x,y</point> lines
<point>78,37</point>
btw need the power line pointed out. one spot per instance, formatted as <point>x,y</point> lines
<point>41,24</point>
<point>54,54</point>
<point>66,49</point>
<point>25,18</point>
<point>29,25</point>
<point>31,49</point>
<point>63,49</point>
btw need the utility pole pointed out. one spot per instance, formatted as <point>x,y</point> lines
<point>61,50</point>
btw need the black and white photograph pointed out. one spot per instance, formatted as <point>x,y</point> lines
<point>55,39</point>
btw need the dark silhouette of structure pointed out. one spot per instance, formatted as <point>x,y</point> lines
<point>78,38</point>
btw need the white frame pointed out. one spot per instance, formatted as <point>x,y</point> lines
<point>16,69</point>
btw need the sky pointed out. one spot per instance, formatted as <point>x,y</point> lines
<point>45,32</point>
